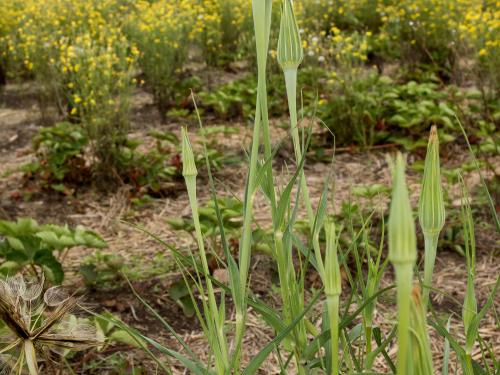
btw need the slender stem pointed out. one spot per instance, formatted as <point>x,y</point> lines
<point>291,91</point>
<point>431,241</point>
<point>368,333</point>
<point>468,370</point>
<point>404,279</point>
<point>220,347</point>
<point>332,302</point>
<point>260,8</point>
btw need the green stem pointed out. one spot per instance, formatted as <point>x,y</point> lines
<point>431,241</point>
<point>246,239</point>
<point>468,370</point>
<point>332,302</point>
<point>291,91</point>
<point>404,279</point>
<point>261,16</point>
<point>220,345</point>
<point>368,333</point>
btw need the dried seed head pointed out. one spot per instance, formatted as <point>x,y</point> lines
<point>402,239</point>
<point>38,325</point>
<point>431,210</point>
<point>33,290</point>
<point>188,163</point>
<point>290,53</point>
<point>55,296</point>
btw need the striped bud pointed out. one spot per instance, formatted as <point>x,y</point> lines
<point>421,349</point>
<point>188,163</point>
<point>431,210</point>
<point>290,52</point>
<point>402,239</point>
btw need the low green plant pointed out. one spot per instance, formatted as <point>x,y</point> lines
<point>368,109</point>
<point>28,246</point>
<point>60,152</point>
<point>231,212</point>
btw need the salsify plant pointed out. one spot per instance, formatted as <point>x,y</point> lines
<point>402,254</point>
<point>344,338</point>
<point>38,325</point>
<point>330,275</point>
<point>431,210</point>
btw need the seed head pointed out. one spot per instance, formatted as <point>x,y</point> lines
<point>290,53</point>
<point>188,163</point>
<point>431,210</point>
<point>40,323</point>
<point>402,239</point>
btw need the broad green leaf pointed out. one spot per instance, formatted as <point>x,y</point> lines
<point>124,337</point>
<point>15,243</point>
<point>50,239</point>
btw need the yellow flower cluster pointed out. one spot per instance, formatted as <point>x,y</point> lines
<point>434,26</point>
<point>87,50</point>
<point>163,32</point>
<point>220,26</point>
<point>60,40</point>
<point>441,21</point>
<point>78,53</point>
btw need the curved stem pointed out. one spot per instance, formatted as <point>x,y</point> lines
<point>332,303</point>
<point>291,91</point>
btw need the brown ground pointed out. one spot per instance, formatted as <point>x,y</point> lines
<point>19,121</point>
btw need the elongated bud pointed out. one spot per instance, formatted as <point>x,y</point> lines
<point>290,52</point>
<point>431,210</point>
<point>402,239</point>
<point>188,163</point>
<point>332,278</point>
<point>421,349</point>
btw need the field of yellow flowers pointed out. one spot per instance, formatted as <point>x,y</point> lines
<point>93,97</point>
<point>87,56</point>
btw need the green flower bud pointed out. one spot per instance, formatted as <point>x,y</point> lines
<point>290,52</point>
<point>188,163</point>
<point>431,210</point>
<point>402,238</point>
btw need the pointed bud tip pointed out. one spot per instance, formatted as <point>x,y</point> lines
<point>433,136</point>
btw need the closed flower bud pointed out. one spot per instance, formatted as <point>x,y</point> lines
<point>402,239</point>
<point>188,163</point>
<point>431,210</point>
<point>290,52</point>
